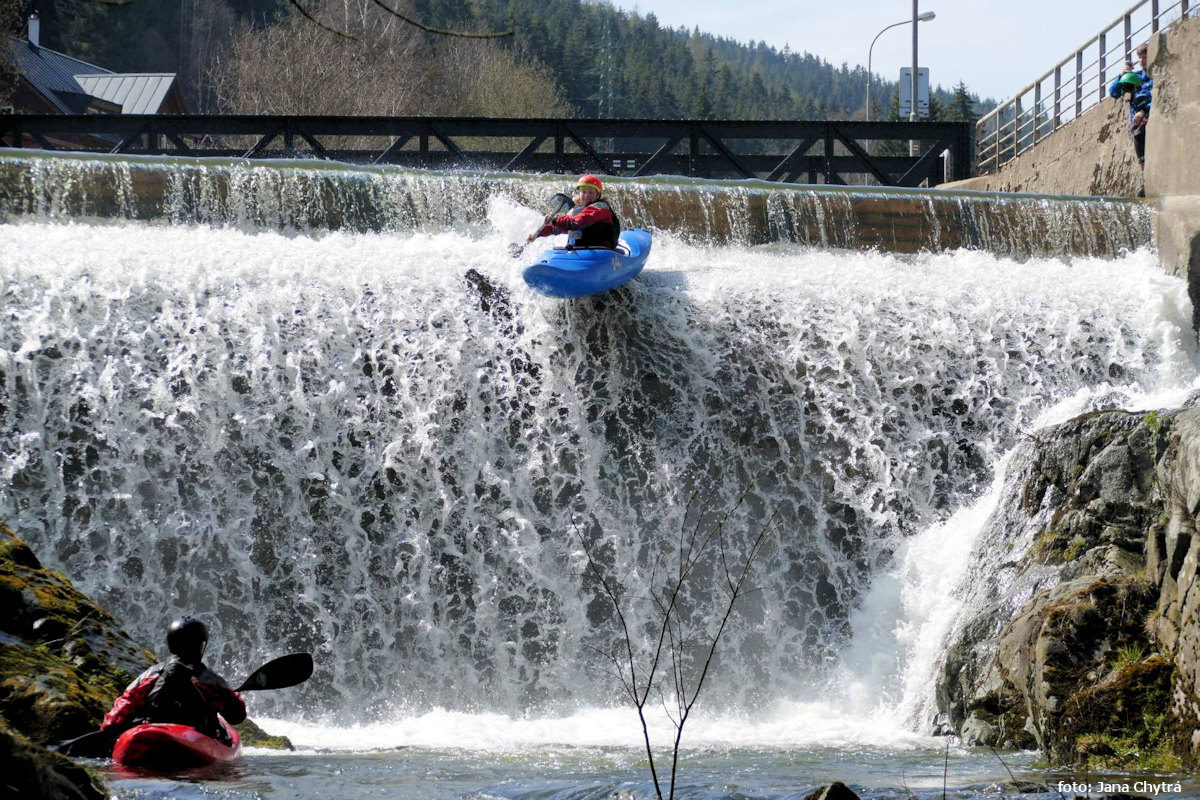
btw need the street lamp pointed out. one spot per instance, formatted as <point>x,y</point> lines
<point>928,15</point>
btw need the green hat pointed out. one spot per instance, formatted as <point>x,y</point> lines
<point>1132,80</point>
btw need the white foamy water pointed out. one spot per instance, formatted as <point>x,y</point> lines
<point>341,444</point>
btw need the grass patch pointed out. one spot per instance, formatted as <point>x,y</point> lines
<point>1128,654</point>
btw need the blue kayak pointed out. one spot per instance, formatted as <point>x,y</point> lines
<point>563,272</point>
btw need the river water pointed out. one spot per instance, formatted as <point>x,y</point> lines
<point>380,447</point>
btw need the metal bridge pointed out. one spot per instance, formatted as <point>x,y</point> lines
<point>826,152</point>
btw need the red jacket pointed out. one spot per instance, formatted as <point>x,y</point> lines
<point>593,225</point>
<point>134,703</point>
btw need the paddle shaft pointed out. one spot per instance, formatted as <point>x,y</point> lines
<point>558,204</point>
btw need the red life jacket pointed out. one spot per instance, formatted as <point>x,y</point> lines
<point>593,225</point>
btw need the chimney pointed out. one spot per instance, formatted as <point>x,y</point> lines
<point>35,29</point>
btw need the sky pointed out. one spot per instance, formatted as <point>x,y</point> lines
<point>996,47</point>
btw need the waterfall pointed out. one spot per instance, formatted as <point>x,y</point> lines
<point>314,197</point>
<point>377,445</point>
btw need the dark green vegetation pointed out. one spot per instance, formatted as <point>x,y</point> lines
<point>575,58</point>
<point>613,63</point>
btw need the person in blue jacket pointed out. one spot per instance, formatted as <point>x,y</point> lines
<point>1137,85</point>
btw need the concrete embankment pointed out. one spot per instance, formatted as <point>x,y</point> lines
<point>1094,155</point>
<point>1172,154</point>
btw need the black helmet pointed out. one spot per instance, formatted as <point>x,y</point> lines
<point>187,637</point>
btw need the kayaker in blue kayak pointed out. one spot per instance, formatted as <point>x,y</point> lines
<point>591,223</point>
<point>182,690</point>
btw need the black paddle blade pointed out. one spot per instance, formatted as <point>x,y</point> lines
<point>281,673</point>
<point>560,204</point>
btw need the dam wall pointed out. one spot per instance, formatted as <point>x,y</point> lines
<point>1092,156</point>
<point>312,196</point>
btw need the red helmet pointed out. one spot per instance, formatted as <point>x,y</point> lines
<point>592,181</point>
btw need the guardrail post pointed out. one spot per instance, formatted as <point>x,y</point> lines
<point>1037,110</point>
<point>1103,74</point>
<point>1129,36</point>
<point>1078,82</point>
<point>1016,145</point>
<point>1154,16</point>
<point>1057,96</point>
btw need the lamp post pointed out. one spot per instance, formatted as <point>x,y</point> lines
<point>928,15</point>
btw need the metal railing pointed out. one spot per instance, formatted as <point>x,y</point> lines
<point>1072,86</point>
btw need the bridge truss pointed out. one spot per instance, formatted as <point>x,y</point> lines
<point>829,152</point>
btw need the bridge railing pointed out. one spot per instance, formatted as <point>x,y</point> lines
<point>1072,86</point>
<point>831,152</point>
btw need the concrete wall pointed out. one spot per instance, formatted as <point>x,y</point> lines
<point>1173,151</point>
<point>1173,134</point>
<point>1091,156</point>
<point>1094,155</point>
<point>276,195</point>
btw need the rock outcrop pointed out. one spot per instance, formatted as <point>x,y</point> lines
<point>33,771</point>
<point>1084,634</point>
<point>63,659</point>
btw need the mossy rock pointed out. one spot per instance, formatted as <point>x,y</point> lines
<point>1101,469</point>
<point>1120,723</point>
<point>254,736</point>
<point>63,659</point>
<point>33,771</point>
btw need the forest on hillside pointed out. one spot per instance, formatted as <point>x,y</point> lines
<point>560,58</point>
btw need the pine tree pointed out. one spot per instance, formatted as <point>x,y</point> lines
<point>962,107</point>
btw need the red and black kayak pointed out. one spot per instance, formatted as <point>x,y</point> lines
<point>167,746</point>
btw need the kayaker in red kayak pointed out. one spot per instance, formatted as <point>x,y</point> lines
<point>182,690</point>
<point>591,223</point>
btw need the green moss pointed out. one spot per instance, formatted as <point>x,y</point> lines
<point>1121,722</point>
<point>1153,421</point>
<point>1107,753</point>
<point>1048,547</point>
<point>1077,547</point>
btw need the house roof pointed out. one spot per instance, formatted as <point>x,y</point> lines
<point>134,93</point>
<point>72,85</point>
<point>51,74</point>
